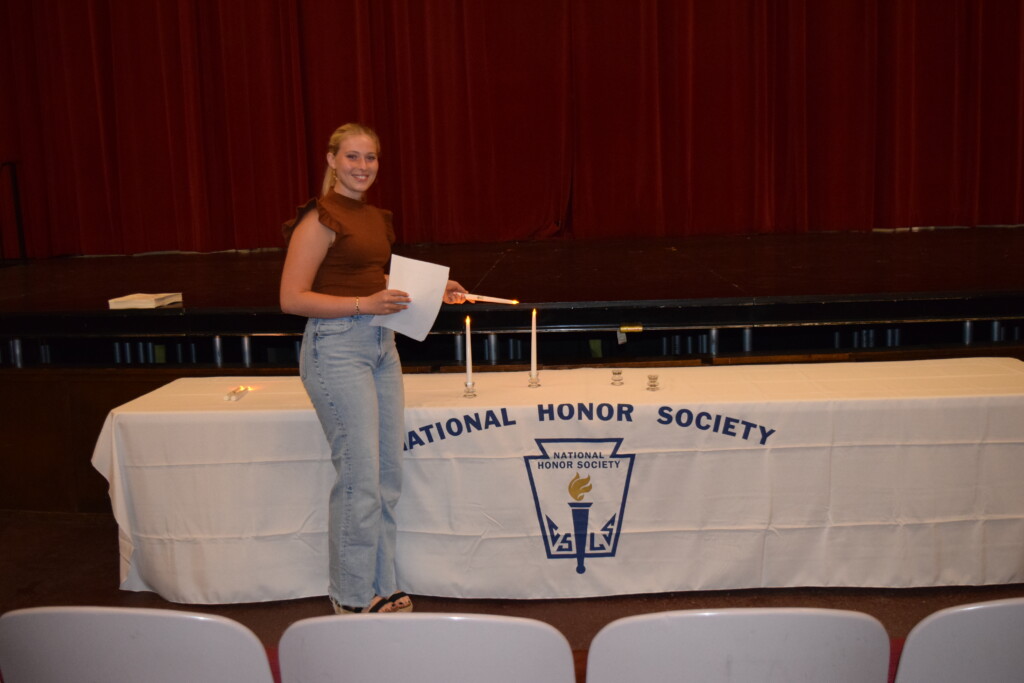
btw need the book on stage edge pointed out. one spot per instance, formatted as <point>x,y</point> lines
<point>145,300</point>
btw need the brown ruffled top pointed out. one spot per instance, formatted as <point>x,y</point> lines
<point>355,264</point>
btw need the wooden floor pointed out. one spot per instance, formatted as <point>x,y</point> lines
<point>553,273</point>
<point>72,559</point>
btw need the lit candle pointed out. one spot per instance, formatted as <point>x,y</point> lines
<point>469,354</point>
<point>533,345</point>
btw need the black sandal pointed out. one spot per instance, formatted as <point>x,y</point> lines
<point>375,607</point>
<point>399,595</point>
<point>379,605</point>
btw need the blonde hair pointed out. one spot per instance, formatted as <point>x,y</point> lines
<point>334,144</point>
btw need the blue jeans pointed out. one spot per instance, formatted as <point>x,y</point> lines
<point>353,376</point>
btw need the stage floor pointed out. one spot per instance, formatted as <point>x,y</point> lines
<point>557,273</point>
<point>689,289</point>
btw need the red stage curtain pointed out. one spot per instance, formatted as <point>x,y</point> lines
<point>199,125</point>
<point>154,125</point>
<point>474,118</point>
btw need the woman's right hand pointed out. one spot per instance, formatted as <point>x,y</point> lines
<point>385,302</point>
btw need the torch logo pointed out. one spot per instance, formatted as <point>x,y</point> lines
<point>579,489</point>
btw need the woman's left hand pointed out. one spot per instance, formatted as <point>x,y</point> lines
<point>454,293</point>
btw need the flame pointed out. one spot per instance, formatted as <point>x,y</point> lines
<point>578,486</point>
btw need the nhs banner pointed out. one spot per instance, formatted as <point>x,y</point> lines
<point>718,478</point>
<point>592,478</point>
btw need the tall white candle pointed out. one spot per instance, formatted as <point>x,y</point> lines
<point>469,354</point>
<point>533,345</point>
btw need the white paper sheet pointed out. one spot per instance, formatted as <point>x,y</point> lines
<point>425,283</point>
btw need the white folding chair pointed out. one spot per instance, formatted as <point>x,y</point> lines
<point>118,645</point>
<point>982,641</point>
<point>755,645</point>
<point>425,648</point>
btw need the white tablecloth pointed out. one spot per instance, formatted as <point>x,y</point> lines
<point>850,474</point>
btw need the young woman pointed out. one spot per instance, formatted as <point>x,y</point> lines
<point>334,274</point>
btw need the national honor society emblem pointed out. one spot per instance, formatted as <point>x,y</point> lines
<point>579,489</point>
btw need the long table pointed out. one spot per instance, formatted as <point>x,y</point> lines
<point>891,474</point>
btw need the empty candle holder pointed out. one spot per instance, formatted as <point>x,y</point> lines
<point>652,383</point>
<point>616,378</point>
